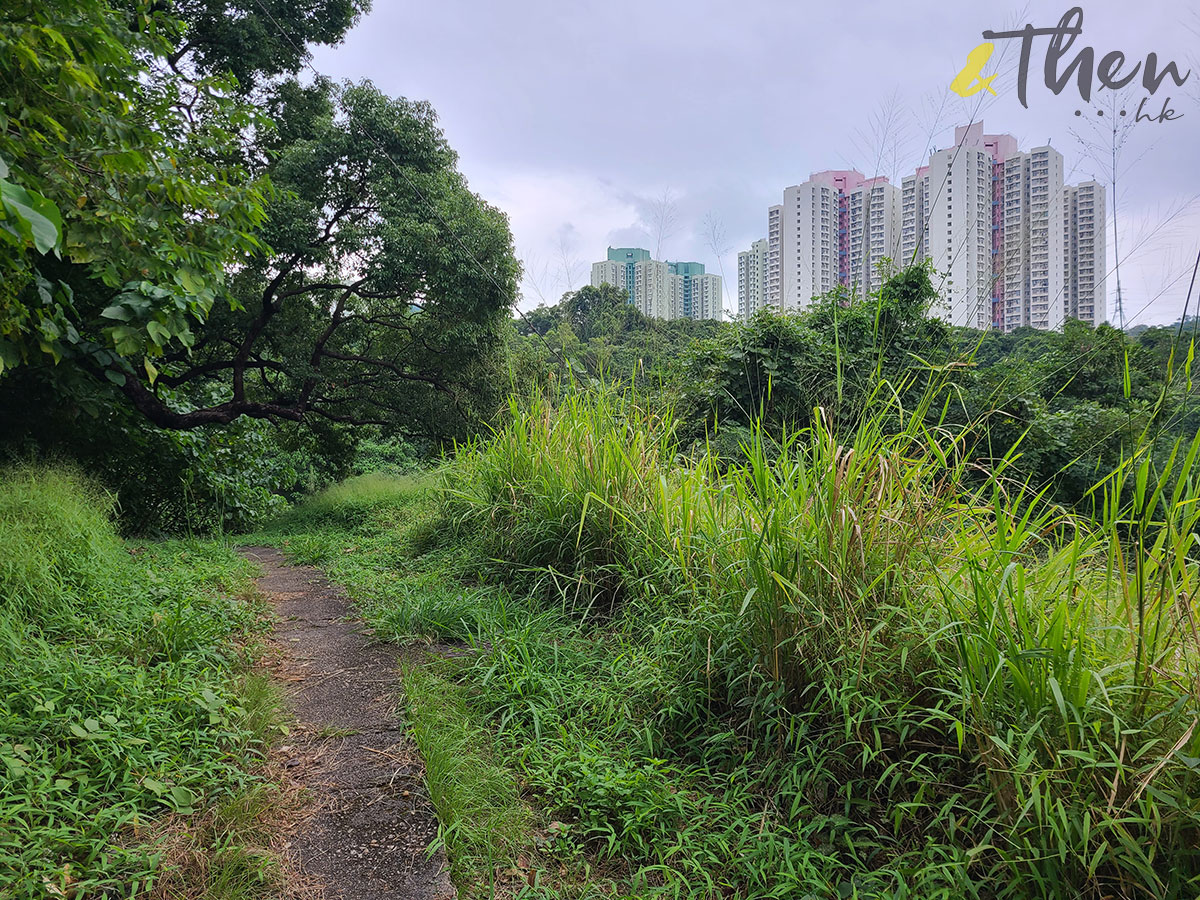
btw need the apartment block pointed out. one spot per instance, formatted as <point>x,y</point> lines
<point>697,293</point>
<point>872,234</point>
<point>660,289</point>
<point>620,268</point>
<point>833,231</point>
<point>914,216</point>
<point>752,279</point>
<point>1034,224</point>
<point>775,257</point>
<point>807,243</point>
<point>1084,253</point>
<point>1011,245</point>
<point>958,227</point>
<point>803,241</point>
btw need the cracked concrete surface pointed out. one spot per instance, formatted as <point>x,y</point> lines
<point>373,822</point>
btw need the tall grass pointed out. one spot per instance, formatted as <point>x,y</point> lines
<point>951,680</point>
<point>537,491</point>
<point>118,690</point>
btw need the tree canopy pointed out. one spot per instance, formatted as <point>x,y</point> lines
<point>830,357</point>
<point>313,251</point>
<point>597,333</point>
<point>136,168</point>
<point>257,40</point>
<point>386,281</point>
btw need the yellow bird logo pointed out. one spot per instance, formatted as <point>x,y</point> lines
<point>968,82</point>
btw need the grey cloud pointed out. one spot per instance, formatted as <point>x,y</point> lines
<point>728,103</point>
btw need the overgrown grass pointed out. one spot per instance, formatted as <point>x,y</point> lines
<point>483,822</point>
<point>382,537</point>
<point>901,682</point>
<point>841,666</point>
<point>120,698</point>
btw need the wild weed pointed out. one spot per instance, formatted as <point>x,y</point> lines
<point>928,671</point>
<point>118,696</point>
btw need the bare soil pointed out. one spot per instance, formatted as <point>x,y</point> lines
<point>372,822</point>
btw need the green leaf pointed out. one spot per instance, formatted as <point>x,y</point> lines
<point>158,332</point>
<point>116,378</point>
<point>10,355</point>
<point>182,799</point>
<point>50,331</point>
<point>189,281</point>
<point>155,785</point>
<point>127,339</point>
<point>40,218</point>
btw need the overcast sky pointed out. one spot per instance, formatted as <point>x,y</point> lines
<point>575,118</point>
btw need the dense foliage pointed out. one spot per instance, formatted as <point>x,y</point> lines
<point>119,699</point>
<point>844,603</point>
<point>873,676</point>
<point>595,334</point>
<point>386,285</point>
<point>837,666</point>
<point>1070,405</point>
<point>135,161</point>
<point>192,238</point>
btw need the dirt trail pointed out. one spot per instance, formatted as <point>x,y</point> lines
<point>373,819</point>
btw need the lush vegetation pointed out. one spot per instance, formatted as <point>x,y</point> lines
<point>594,333</point>
<point>194,239</point>
<point>124,699</point>
<point>837,666</point>
<point>870,676</point>
<point>847,603</point>
<point>1072,403</point>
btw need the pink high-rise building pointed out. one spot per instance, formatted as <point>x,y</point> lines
<point>833,231</point>
<point>1012,246</point>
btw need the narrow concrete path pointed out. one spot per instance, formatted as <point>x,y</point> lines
<point>373,821</point>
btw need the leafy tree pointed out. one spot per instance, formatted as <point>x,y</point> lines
<point>830,356</point>
<point>360,287</point>
<point>382,298</point>
<point>27,219</point>
<point>540,321</point>
<point>597,333</point>
<point>255,40</point>
<point>151,207</point>
<point>143,246</point>
<point>600,311</point>
<point>126,117</point>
